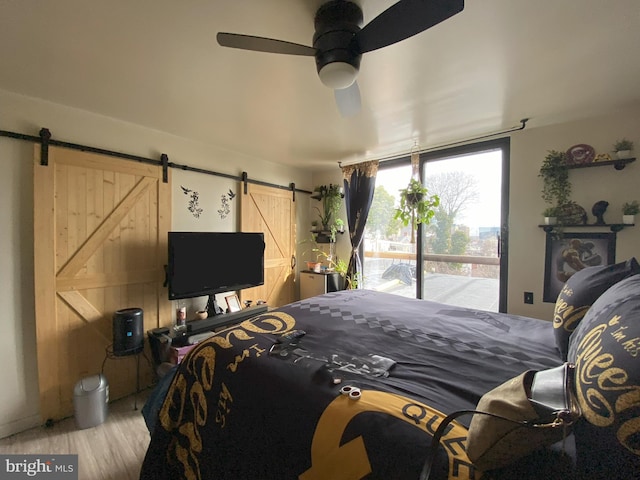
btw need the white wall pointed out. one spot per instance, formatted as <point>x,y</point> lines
<point>526,239</point>
<point>19,396</point>
<point>19,393</point>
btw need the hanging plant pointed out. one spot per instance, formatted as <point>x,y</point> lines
<point>416,206</point>
<point>331,198</point>
<point>556,187</point>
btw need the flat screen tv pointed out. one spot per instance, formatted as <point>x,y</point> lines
<point>206,263</point>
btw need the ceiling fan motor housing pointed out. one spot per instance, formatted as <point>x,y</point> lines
<point>336,24</point>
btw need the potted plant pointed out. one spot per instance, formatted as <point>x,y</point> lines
<point>416,206</point>
<point>629,211</point>
<point>623,148</point>
<point>331,198</point>
<point>556,187</point>
<point>550,215</point>
<point>334,264</point>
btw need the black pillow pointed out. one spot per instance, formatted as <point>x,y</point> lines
<point>578,294</point>
<point>606,350</point>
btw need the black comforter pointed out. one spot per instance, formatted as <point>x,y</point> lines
<point>236,411</point>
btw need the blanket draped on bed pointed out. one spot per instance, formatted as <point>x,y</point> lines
<point>236,411</point>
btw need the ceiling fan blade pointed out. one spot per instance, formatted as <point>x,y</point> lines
<point>403,20</point>
<point>262,44</point>
<point>348,100</point>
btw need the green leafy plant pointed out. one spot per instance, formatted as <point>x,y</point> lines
<point>339,266</point>
<point>416,206</point>
<point>631,208</point>
<point>336,226</point>
<point>331,198</point>
<point>622,145</point>
<point>550,212</point>
<point>556,187</point>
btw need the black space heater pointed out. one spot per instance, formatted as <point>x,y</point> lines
<point>128,338</point>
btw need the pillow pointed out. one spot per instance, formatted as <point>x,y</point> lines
<point>605,348</point>
<point>578,294</point>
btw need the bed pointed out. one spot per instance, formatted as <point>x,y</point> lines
<point>242,406</point>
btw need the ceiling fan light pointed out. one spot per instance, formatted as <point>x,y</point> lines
<point>338,75</point>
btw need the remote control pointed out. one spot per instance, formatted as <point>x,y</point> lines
<point>292,337</point>
<point>282,343</point>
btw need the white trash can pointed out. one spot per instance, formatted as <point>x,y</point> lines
<point>91,401</point>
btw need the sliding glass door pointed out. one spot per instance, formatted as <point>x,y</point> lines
<point>460,257</point>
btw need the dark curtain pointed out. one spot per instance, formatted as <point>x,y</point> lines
<point>359,186</point>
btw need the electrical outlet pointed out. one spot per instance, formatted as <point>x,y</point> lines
<point>528,297</point>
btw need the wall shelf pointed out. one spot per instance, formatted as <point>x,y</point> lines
<point>614,227</point>
<point>618,164</point>
<point>324,236</point>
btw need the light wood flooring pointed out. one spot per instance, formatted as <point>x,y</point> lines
<point>113,450</point>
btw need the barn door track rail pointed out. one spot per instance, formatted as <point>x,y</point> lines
<point>45,140</point>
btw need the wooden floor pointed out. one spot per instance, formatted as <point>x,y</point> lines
<point>113,450</point>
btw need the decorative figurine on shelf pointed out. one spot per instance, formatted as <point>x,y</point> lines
<point>598,210</point>
<point>571,213</point>
<point>603,157</point>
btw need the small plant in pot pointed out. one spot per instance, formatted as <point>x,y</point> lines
<point>623,148</point>
<point>416,206</point>
<point>629,211</point>
<point>550,215</point>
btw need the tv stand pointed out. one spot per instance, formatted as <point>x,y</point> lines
<point>162,339</point>
<point>224,319</point>
<point>213,308</point>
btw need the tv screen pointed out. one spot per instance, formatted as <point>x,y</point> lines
<point>206,263</point>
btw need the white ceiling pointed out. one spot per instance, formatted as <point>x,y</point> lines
<point>156,63</point>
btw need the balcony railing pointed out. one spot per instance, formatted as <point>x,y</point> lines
<point>430,257</point>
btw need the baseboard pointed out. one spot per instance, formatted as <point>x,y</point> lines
<point>19,425</point>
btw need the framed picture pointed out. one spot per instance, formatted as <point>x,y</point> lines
<point>233,302</point>
<point>570,252</point>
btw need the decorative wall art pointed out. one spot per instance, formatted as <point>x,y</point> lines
<point>196,202</point>
<point>225,204</point>
<point>193,205</point>
<point>580,154</point>
<point>572,252</point>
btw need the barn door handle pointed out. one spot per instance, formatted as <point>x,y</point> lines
<point>293,262</point>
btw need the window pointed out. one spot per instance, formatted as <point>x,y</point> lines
<point>459,257</point>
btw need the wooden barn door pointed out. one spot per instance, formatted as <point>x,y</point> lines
<point>100,234</point>
<point>272,211</point>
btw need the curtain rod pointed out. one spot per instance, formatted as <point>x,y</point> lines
<point>523,124</point>
<point>45,140</point>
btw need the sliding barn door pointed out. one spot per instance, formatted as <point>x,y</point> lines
<point>272,211</point>
<point>100,233</point>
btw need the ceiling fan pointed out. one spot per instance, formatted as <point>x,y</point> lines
<point>339,41</point>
